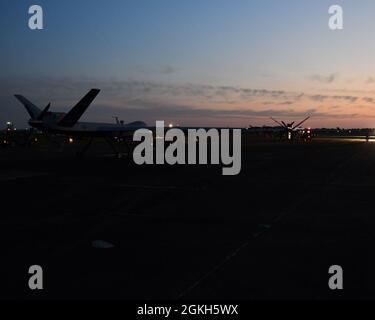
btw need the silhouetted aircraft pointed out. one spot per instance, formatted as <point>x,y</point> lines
<point>290,129</point>
<point>67,124</point>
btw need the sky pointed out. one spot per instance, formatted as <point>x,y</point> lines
<point>192,62</point>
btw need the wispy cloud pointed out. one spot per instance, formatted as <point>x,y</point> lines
<point>368,99</point>
<point>323,78</point>
<point>322,98</point>
<point>155,70</point>
<point>148,100</point>
<point>171,111</point>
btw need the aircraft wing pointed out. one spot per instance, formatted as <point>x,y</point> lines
<point>280,124</point>
<point>71,118</point>
<point>300,123</point>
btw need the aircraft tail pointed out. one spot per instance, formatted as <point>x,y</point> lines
<point>33,110</point>
<point>73,115</point>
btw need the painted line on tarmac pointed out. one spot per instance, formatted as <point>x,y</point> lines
<point>213,270</point>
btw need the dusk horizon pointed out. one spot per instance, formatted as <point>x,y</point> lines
<point>200,64</point>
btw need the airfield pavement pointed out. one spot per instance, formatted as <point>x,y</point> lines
<point>187,232</point>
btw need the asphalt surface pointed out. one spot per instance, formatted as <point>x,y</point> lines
<point>187,232</point>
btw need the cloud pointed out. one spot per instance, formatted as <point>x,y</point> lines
<point>154,111</point>
<point>153,70</point>
<point>286,103</point>
<point>368,99</point>
<point>351,99</point>
<point>65,89</point>
<point>134,100</point>
<point>168,70</point>
<point>319,98</point>
<point>370,80</point>
<point>323,79</point>
<point>322,98</point>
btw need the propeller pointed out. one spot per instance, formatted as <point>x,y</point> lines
<point>44,112</point>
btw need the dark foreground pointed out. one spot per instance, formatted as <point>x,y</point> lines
<point>188,232</point>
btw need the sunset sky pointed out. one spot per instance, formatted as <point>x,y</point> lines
<point>193,62</point>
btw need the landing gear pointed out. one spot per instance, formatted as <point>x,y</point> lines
<point>56,142</point>
<point>113,144</point>
<point>118,154</point>
<point>82,152</point>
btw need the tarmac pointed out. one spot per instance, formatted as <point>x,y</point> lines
<point>106,228</point>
